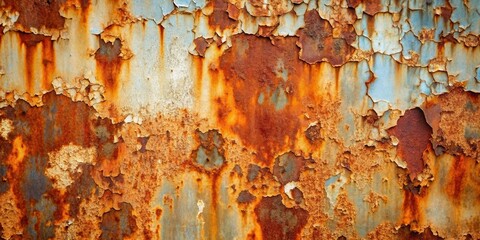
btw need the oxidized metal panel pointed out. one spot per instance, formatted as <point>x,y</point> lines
<point>239,119</point>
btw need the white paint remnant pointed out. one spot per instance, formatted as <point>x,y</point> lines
<point>288,188</point>
<point>6,127</point>
<point>66,161</point>
<point>201,206</point>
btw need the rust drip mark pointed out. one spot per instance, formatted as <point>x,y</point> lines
<point>220,19</point>
<point>109,63</point>
<point>455,186</point>
<point>209,159</point>
<point>279,222</point>
<point>161,31</point>
<point>38,13</point>
<point>411,209</point>
<point>262,91</point>
<point>413,133</point>
<point>32,43</point>
<point>317,43</point>
<point>118,224</point>
<point>288,167</point>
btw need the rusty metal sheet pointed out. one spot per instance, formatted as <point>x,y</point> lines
<point>239,119</point>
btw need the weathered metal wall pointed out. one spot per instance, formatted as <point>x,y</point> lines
<point>239,119</point>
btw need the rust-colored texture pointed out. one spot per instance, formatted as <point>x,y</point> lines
<point>239,119</point>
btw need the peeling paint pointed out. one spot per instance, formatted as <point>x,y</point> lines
<point>239,119</point>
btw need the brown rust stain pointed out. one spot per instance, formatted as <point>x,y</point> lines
<point>38,13</point>
<point>220,18</point>
<point>413,133</point>
<point>457,179</point>
<point>261,112</point>
<point>245,197</point>
<point>233,11</point>
<point>279,222</point>
<point>371,7</point>
<point>201,45</point>
<point>109,64</point>
<point>317,43</point>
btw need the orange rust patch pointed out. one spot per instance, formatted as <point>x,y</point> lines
<point>317,43</point>
<point>413,133</point>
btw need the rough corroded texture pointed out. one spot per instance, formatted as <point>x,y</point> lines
<point>239,119</point>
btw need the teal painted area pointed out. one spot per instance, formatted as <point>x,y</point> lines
<point>279,98</point>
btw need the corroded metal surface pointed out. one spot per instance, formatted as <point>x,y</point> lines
<point>239,119</point>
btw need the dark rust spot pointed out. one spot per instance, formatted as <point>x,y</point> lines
<point>313,133</point>
<point>317,43</point>
<point>118,224</point>
<point>413,133</point>
<point>80,190</point>
<point>288,167</point>
<point>210,153</point>
<point>406,233</point>
<point>253,171</point>
<point>143,141</point>
<point>245,197</point>
<point>297,195</point>
<point>201,45</point>
<point>279,222</point>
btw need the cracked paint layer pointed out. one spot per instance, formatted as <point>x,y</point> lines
<point>239,119</point>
